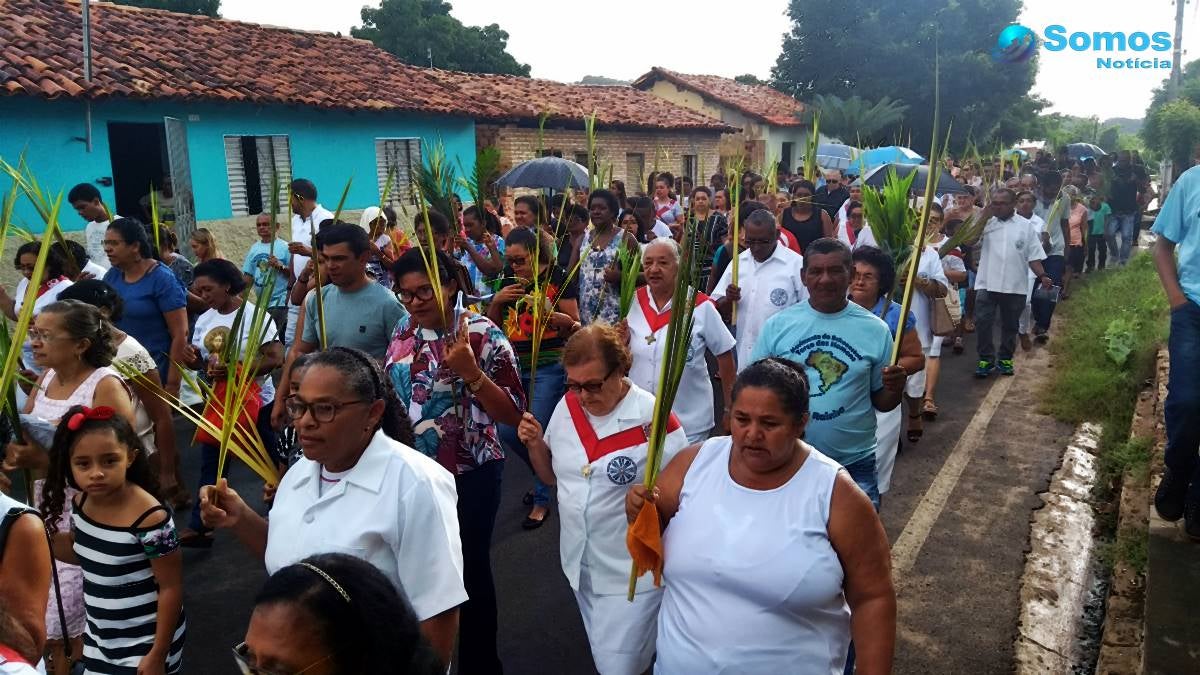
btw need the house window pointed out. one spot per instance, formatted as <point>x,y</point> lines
<point>689,167</point>
<point>552,152</point>
<point>402,157</point>
<point>581,158</point>
<point>635,171</point>
<point>250,163</point>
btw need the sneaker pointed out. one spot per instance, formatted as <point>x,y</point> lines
<point>1005,367</point>
<point>1026,342</point>
<point>1170,497</point>
<point>984,369</point>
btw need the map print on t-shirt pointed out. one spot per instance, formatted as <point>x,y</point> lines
<point>828,366</point>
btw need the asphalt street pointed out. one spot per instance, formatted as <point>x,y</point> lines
<point>958,591</point>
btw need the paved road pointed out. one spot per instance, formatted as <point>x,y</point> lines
<point>957,575</point>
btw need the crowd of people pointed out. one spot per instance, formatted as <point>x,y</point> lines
<point>398,372</point>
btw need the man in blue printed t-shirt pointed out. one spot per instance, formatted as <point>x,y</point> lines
<point>846,350</point>
<point>1178,229</point>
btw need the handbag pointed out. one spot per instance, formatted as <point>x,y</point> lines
<point>942,320</point>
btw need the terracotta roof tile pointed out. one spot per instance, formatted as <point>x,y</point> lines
<point>757,101</point>
<point>156,54</point>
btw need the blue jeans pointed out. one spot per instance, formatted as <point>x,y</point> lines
<point>1125,228</point>
<point>551,385</point>
<point>863,473</point>
<point>1182,409</point>
<point>209,454</point>
<point>1043,310</point>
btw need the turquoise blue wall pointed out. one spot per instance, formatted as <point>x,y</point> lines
<point>327,147</point>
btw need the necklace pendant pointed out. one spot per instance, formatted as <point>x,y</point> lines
<point>586,471</point>
<point>650,339</point>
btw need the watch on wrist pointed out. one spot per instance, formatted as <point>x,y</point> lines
<point>476,384</point>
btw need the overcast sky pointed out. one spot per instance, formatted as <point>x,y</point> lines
<point>682,37</point>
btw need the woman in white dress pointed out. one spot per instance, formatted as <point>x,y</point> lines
<point>594,448</point>
<point>646,327</point>
<point>769,547</point>
<point>73,344</point>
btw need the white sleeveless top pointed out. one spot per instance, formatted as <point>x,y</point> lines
<point>753,584</point>
<point>52,409</point>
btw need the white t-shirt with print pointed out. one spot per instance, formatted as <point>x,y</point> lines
<point>93,234</point>
<point>213,328</point>
<point>767,288</point>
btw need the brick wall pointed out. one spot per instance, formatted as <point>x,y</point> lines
<point>614,148</point>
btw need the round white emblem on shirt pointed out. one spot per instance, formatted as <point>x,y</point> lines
<point>778,297</point>
<point>1020,244</point>
<point>621,470</point>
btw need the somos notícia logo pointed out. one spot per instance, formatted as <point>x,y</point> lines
<point>1017,44</point>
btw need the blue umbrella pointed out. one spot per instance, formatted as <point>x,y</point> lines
<point>836,155</point>
<point>890,154</point>
<point>547,173</point>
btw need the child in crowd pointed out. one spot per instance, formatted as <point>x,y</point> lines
<point>1077,225</point>
<point>123,538</point>
<point>1098,213</point>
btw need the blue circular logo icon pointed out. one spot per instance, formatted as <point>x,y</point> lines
<point>622,470</point>
<point>1015,44</point>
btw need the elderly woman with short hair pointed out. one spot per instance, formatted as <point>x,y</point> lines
<point>594,448</point>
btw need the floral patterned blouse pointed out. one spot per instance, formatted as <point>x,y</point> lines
<point>460,440</point>
<point>598,299</point>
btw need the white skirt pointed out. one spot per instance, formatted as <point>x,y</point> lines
<point>887,444</point>
<point>620,633</point>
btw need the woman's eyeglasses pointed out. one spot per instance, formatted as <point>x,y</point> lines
<point>39,335</point>
<point>323,411</point>
<point>516,260</point>
<point>424,293</point>
<point>593,387</point>
<point>241,656</point>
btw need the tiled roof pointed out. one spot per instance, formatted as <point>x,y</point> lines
<point>757,101</point>
<point>510,98</point>
<point>142,53</point>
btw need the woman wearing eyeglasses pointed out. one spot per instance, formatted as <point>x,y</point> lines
<point>511,309</point>
<point>594,449</point>
<point>457,376</point>
<point>361,490</point>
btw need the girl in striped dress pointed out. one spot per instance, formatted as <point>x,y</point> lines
<point>124,540</point>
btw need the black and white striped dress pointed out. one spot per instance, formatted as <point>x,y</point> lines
<point>120,592</point>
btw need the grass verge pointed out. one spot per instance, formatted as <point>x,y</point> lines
<point>1116,313</point>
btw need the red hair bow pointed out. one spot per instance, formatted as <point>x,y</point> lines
<point>99,413</point>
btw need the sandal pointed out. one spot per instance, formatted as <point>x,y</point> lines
<point>958,345</point>
<point>531,523</point>
<point>929,410</point>
<point>914,435</point>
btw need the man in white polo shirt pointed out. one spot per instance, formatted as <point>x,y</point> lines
<point>1009,247</point>
<point>307,216</point>
<point>768,282</point>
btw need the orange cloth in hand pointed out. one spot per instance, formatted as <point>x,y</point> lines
<point>644,540</point>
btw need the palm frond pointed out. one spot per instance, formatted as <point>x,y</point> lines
<point>435,179</point>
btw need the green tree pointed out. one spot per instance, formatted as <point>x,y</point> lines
<point>201,7</point>
<point>1174,131</point>
<point>420,31</point>
<point>1110,138</point>
<point>877,48</point>
<point>749,78</point>
<point>857,121</point>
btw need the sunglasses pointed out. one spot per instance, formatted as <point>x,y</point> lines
<point>241,655</point>
<point>589,387</point>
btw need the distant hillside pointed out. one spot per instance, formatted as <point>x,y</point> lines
<point>1127,125</point>
<point>600,79</point>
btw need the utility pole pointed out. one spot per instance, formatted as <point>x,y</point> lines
<point>1177,52</point>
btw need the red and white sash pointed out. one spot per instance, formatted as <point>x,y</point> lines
<point>596,447</point>
<point>655,319</point>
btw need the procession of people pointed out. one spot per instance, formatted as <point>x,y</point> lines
<point>395,373</point>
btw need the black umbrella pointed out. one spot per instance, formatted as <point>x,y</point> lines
<point>1081,150</point>
<point>549,173</point>
<point>945,184</point>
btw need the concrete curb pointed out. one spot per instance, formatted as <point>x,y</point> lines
<point>1057,568</point>
<point>1121,647</point>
